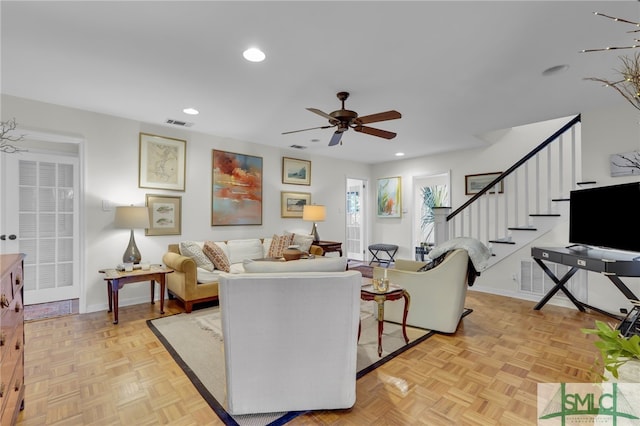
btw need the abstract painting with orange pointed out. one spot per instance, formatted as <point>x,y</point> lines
<point>236,189</point>
<point>389,201</point>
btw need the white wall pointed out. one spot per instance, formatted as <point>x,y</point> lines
<point>111,173</point>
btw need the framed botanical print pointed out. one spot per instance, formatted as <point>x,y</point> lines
<point>236,190</point>
<point>162,162</point>
<point>165,215</point>
<point>296,172</point>
<point>292,203</point>
<point>389,193</point>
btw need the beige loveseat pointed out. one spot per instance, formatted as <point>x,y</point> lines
<point>192,284</point>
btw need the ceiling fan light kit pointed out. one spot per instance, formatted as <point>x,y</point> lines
<point>344,119</point>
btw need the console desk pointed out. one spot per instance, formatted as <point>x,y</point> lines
<point>610,263</point>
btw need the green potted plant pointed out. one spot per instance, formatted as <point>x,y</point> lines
<point>616,350</point>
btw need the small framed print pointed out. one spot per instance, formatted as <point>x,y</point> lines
<point>165,215</point>
<point>296,172</point>
<point>292,203</point>
<point>162,162</point>
<point>476,183</point>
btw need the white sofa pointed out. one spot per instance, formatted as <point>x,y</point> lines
<point>192,283</point>
<point>290,340</point>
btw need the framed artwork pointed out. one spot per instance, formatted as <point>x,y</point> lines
<point>476,183</point>
<point>625,164</point>
<point>389,197</point>
<point>236,191</point>
<point>162,162</point>
<point>292,203</point>
<point>297,172</point>
<point>165,215</point>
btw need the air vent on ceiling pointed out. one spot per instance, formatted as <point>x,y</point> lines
<point>298,147</point>
<point>178,122</point>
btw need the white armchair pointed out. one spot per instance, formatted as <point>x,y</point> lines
<point>290,340</point>
<point>437,295</point>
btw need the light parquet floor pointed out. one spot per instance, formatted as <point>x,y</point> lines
<point>83,370</point>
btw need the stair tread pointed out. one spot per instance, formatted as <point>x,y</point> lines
<point>502,242</point>
<point>522,228</point>
<point>545,215</point>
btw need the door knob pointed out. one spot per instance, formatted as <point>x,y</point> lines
<point>3,237</point>
<point>12,237</point>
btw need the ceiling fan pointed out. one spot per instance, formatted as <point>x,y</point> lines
<point>343,119</point>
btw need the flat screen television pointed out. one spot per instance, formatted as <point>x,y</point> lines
<point>606,217</point>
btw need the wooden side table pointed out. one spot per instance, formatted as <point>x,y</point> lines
<point>329,246</point>
<point>117,279</point>
<point>393,293</point>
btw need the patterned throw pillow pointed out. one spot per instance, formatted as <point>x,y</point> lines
<point>278,244</point>
<point>193,250</point>
<point>217,256</point>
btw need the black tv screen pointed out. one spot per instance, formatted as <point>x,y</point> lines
<point>607,217</point>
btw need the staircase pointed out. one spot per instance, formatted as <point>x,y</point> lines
<point>535,197</point>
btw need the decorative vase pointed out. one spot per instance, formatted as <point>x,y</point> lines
<point>291,253</point>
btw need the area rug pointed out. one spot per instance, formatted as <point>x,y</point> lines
<point>365,270</point>
<point>195,342</point>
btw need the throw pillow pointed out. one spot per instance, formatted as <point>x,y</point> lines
<point>193,250</point>
<point>217,256</point>
<point>279,243</point>
<point>303,241</point>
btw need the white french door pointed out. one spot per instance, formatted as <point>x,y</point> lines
<point>355,218</point>
<point>40,218</point>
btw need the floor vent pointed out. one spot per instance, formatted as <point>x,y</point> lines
<point>533,280</point>
<point>178,122</point>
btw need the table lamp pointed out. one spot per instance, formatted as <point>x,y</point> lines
<point>131,217</point>
<point>314,213</point>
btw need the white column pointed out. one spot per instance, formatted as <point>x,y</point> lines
<point>440,224</point>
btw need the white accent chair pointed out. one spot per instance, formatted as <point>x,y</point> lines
<point>290,340</point>
<point>437,295</point>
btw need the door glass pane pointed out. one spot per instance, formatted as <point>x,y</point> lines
<point>27,173</point>
<point>65,175</point>
<point>47,174</point>
<point>47,200</point>
<point>47,225</point>
<point>47,251</point>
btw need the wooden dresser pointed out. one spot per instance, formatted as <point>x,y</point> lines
<point>11,338</point>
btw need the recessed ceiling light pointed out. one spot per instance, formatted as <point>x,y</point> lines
<point>191,111</point>
<point>254,54</point>
<point>399,154</point>
<point>555,70</point>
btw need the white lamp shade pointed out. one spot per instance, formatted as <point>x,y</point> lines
<point>132,217</point>
<point>314,213</point>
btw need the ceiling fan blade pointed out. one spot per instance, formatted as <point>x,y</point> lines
<point>381,116</point>
<point>375,132</point>
<point>335,139</point>
<point>304,130</point>
<point>323,114</point>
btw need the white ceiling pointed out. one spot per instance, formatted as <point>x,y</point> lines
<point>454,69</point>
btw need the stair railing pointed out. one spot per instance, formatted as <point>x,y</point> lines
<point>489,215</point>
